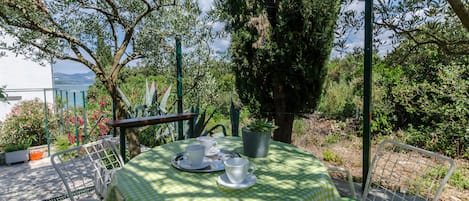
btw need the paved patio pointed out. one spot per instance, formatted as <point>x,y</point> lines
<point>34,180</point>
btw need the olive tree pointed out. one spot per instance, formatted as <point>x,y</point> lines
<point>67,30</point>
<point>444,23</point>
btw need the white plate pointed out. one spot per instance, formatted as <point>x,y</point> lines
<point>212,152</point>
<point>249,181</point>
<point>186,165</point>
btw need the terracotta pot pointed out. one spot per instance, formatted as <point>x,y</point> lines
<point>35,155</point>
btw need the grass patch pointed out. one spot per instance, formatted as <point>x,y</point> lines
<point>331,139</point>
<point>300,127</point>
<point>459,179</point>
<point>332,157</point>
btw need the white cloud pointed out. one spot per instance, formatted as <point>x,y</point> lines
<point>206,5</point>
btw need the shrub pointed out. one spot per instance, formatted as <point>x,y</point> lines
<point>26,122</point>
<point>437,109</point>
<point>16,147</point>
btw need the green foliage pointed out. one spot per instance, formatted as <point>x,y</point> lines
<point>278,53</point>
<point>62,143</point>
<point>300,127</point>
<point>25,123</point>
<point>421,91</point>
<point>75,125</point>
<point>16,147</point>
<point>150,105</point>
<point>261,125</point>
<point>331,139</point>
<point>201,121</point>
<point>459,180</point>
<point>438,24</point>
<point>332,157</point>
<point>431,97</point>
<point>342,87</point>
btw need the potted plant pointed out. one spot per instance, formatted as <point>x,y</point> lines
<point>256,137</point>
<point>16,153</point>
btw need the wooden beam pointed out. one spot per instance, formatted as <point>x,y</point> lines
<point>144,121</point>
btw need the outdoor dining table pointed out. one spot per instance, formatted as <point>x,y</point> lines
<point>287,173</point>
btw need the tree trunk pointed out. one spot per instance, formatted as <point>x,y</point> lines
<point>134,143</point>
<point>285,125</point>
<point>283,118</point>
<point>461,11</point>
<point>131,134</point>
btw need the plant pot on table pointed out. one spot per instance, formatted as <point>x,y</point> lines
<point>256,144</point>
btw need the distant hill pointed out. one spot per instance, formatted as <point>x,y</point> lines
<point>74,79</point>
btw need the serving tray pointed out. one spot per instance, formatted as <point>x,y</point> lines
<point>216,163</point>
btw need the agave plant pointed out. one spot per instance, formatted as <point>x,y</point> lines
<point>150,107</point>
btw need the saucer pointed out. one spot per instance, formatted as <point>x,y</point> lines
<point>186,165</point>
<point>212,152</point>
<point>249,181</point>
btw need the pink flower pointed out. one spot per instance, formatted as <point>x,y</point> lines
<point>103,131</point>
<point>102,102</point>
<point>80,121</point>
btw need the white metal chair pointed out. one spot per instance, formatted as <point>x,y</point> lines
<point>403,172</point>
<point>87,170</point>
<point>106,160</point>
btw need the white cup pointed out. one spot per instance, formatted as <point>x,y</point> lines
<point>237,169</point>
<point>194,154</point>
<point>208,142</point>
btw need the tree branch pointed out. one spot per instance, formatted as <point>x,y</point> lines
<point>32,25</point>
<point>461,11</point>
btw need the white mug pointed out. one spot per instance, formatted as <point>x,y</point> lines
<point>194,154</point>
<point>237,169</point>
<point>208,142</point>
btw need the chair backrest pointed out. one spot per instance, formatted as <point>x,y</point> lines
<point>87,170</point>
<point>403,172</point>
<point>76,171</point>
<point>106,160</point>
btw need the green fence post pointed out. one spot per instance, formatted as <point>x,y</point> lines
<point>367,89</point>
<point>179,84</point>
<point>85,135</point>
<point>67,125</point>
<point>75,118</point>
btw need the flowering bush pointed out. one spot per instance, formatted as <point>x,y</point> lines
<point>94,124</point>
<point>25,123</point>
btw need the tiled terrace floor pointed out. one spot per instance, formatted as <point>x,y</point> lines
<point>34,180</point>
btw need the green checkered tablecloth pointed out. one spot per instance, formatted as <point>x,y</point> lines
<point>287,173</point>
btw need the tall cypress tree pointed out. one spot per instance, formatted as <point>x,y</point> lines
<point>279,50</point>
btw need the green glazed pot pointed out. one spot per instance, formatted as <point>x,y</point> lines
<point>256,144</point>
